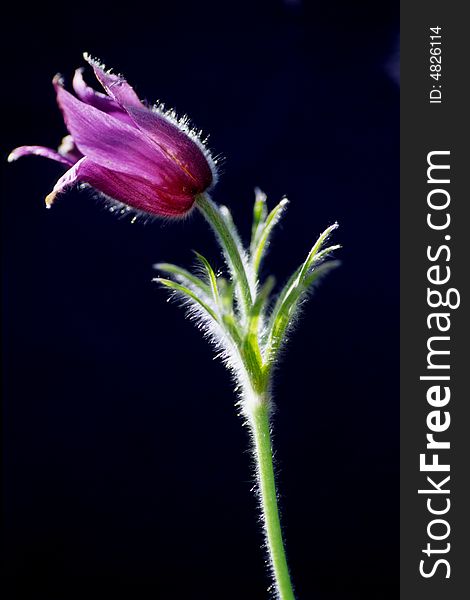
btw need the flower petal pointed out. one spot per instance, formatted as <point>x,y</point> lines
<point>188,153</point>
<point>134,192</point>
<point>69,150</point>
<point>39,151</point>
<point>97,99</point>
<point>68,178</point>
<point>116,86</point>
<point>118,146</point>
<point>182,148</point>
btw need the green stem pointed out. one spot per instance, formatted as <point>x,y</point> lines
<point>257,400</point>
<point>259,421</point>
<point>211,212</point>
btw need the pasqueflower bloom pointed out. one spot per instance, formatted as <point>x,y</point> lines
<point>148,160</point>
<point>141,156</point>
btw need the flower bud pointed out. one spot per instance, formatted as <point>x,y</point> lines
<point>141,156</point>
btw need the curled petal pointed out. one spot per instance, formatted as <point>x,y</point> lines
<point>68,178</point>
<point>119,147</point>
<point>39,151</point>
<point>116,86</point>
<point>97,99</point>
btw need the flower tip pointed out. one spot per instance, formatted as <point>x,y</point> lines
<point>12,156</point>
<point>260,195</point>
<point>93,62</point>
<point>58,80</point>
<point>89,58</point>
<point>50,199</point>
<point>284,202</point>
<point>224,211</point>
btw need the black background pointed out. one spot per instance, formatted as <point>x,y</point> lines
<point>125,462</point>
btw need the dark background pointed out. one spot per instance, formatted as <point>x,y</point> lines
<point>125,465</point>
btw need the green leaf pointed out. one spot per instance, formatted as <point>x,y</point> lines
<point>233,329</point>
<point>321,271</point>
<point>211,276</point>
<point>260,212</point>
<point>226,289</point>
<point>258,307</point>
<point>281,298</point>
<point>263,239</point>
<point>249,348</point>
<point>184,277</point>
<point>253,362</point>
<point>313,252</point>
<point>189,293</point>
<point>230,223</point>
<point>320,256</point>
<point>227,236</point>
<point>296,286</point>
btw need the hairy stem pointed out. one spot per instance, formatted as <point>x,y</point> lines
<point>233,254</point>
<point>245,336</point>
<point>259,422</point>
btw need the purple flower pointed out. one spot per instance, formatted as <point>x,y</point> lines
<point>139,155</point>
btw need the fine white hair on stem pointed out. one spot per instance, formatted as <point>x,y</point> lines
<point>225,348</point>
<point>248,331</point>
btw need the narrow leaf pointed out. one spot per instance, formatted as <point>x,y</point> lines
<point>233,329</point>
<point>225,294</point>
<point>211,276</point>
<point>230,223</point>
<point>189,293</point>
<point>323,254</point>
<point>227,236</point>
<point>184,277</point>
<point>258,306</point>
<point>320,272</point>
<point>293,291</point>
<point>281,298</point>
<point>317,246</point>
<point>260,212</point>
<point>261,246</point>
